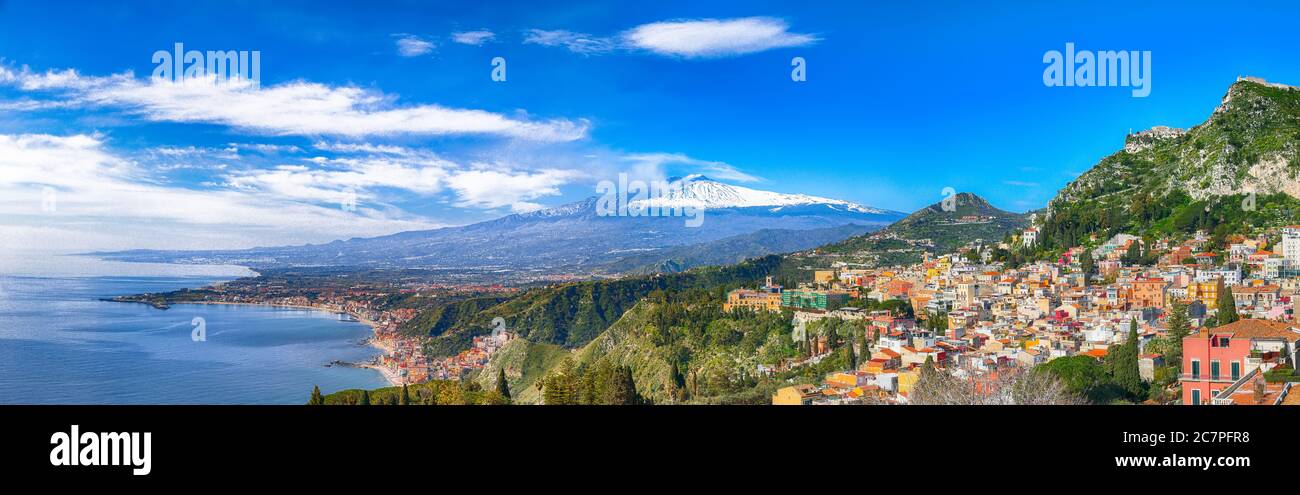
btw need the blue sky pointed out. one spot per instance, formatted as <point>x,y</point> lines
<point>393,104</point>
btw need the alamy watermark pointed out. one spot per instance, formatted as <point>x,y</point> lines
<point>179,65</point>
<point>1085,68</point>
<point>638,198</point>
<point>949,202</point>
<point>200,332</point>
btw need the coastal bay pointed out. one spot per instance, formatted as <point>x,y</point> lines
<point>61,344</point>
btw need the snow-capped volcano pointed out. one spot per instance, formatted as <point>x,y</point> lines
<point>737,222</point>
<point>702,192</point>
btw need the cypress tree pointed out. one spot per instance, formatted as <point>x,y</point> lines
<point>503,388</point>
<point>677,382</point>
<point>316,398</point>
<point>1134,253</point>
<point>1227,306</point>
<point>623,388</point>
<point>365,398</point>
<point>1126,371</point>
<point>853,357</point>
<point>405,399</point>
<point>1179,326</point>
<point>1088,266</point>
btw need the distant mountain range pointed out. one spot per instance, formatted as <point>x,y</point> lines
<point>574,237</point>
<point>732,249</point>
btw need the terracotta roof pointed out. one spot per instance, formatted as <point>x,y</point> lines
<point>1252,328</point>
<point>1095,353</point>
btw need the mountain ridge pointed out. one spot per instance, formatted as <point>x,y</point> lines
<point>937,228</point>
<point>1237,169</point>
<point>572,237</point>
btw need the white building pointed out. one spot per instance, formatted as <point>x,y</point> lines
<point>1231,276</point>
<point>1029,237</point>
<point>1291,246</point>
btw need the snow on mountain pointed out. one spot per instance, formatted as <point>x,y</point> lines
<point>575,237</point>
<point>702,192</point>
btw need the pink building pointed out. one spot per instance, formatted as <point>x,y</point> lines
<point>1216,358</point>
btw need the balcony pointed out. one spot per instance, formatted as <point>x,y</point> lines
<point>1188,377</point>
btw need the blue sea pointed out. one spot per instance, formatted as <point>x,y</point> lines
<point>59,344</point>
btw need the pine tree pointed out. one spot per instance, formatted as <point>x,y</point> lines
<point>1227,306</point>
<point>560,386</point>
<point>503,388</point>
<point>405,399</point>
<point>316,398</point>
<point>365,398</point>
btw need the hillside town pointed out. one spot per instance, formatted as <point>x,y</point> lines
<point>975,318</point>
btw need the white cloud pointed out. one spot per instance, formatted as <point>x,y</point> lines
<point>103,201</point>
<point>295,108</point>
<point>265,148</point>
<point>585,44</point>
<point>377,149</point>
<point>367,169</point>
<point>715,37</point>
<point>491,188</point>
<point>1020,183</point>
<point>347,176</point>
<point>412,46</point>
<point>654,164</point>
<point>475,38</point>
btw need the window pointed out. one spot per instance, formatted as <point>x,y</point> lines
<point>1214,369</point>
<point>1223,342</point>
<point>1236,371</point>
<point>1196,369</point>
<point>1196,397</point>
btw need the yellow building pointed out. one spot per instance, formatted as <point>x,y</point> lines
<point>754,300</point>
<point>797,395</point>
<point>907,380</point>
<point>824,276</point>
<point>1205,292</point>
<point>843,380</point>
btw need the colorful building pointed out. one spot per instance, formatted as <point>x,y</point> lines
<point>814,299</point>
<point>754,300</point>
<point>797,395</point>
<point>1216,358</point>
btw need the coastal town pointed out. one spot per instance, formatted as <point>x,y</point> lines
<point>404,358</point>
<point>973,317</point>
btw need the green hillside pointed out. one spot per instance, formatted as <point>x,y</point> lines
<point>680,348</point>
<point>732,249</point>
<point>525,363</point>
<point>571,315</point>
<point>1170,181</point>
<point>929,230</point>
